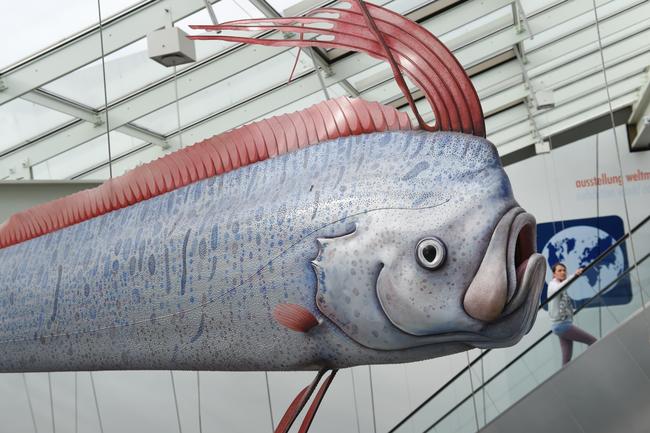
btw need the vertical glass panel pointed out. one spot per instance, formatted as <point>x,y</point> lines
<point>21,120</point>
<point>71,163</point>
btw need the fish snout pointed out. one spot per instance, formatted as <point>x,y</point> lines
<point>511,270</point>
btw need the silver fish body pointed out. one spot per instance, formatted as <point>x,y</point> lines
<point>190,279</point>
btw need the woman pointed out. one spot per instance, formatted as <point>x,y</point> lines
<point>560,308</point>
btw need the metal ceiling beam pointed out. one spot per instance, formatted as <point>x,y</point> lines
<point>642,105</point>
<point>84,48</point>
<point>54,102</point>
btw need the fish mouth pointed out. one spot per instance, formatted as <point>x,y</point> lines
<point>497,292</point>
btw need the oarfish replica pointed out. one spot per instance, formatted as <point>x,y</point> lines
<point>331,237</point>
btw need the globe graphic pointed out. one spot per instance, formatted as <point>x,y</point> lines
<point>578,246</point>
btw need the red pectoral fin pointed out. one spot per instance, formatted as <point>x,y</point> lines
<point>295,317</point>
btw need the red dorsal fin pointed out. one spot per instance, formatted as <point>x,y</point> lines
<point>216,155</point>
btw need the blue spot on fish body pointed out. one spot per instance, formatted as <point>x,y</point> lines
<point>135,293</point>
<point>214,238</point>
<point>152,264</point>
<point>416,170</point>
<point>184,264</point>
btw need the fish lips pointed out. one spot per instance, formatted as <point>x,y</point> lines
<point>498,291</point>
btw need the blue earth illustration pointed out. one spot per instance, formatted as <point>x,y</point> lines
<point>576,247</point>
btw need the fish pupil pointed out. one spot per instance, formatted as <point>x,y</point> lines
<point>429,252</point>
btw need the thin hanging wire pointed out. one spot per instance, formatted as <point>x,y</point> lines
<point>483,388</point>
<point>198,392</point>
<point>548,189</point>
<point>618,155</point>
<point>471,384</point>
<point>372,401</point>
<point>29,403</point>
<point>178,110</point>
<point>76,405</point>
<point>557,186</point>
<point>99,415</point>
<point>108,130</point>
<point>600,300</point>
<point>178,415</point>
<point>49,384</point>
<point>178,103</point>
<point>408,393</point>
<point>354,401</point>
<point>310,51</point>
<point>268,396</point>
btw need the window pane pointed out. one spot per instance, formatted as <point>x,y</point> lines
<point>81,158</point>
<point>21,120</point>
<point>29,27</point>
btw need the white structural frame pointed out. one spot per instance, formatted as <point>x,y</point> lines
<point>568,64</point>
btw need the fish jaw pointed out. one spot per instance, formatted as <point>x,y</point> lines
<point>498,291</point>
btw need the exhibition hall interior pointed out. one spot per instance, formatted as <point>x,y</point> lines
<point>327,216</point>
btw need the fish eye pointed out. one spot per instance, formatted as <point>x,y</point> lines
<point>431,253</point>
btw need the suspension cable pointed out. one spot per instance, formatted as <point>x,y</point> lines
<point>178,415</point>
<point>29,403</point>
<point>471,385</point>
<point>49,385</point>
<point>354,401</point>
<point>198,392</point>
<point>372,401</point>
<point>108,130</point>
<point>618,154</point>
<point>268,397</point>
<point>99,415</point>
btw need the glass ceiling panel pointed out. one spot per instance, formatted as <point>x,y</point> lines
<point>94,152</point>
<point>21,120</point>
<point>127,70</point>
<point>32,27</point>
<point>572,25</point>
<point>226,93</point>
<point>84,85</point>
<point>130,68</point>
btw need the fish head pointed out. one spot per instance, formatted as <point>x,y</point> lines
<point>461,270</point>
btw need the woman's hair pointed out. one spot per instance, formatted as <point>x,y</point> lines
<point>555,266</point>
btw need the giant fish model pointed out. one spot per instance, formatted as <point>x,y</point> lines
<point>323,239</point>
